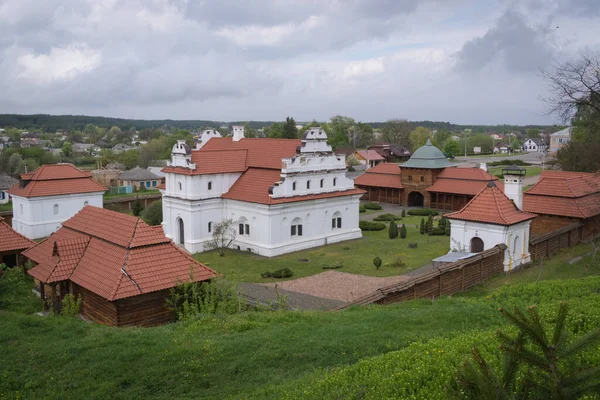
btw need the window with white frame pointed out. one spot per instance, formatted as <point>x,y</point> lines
<point>56,209</point>
<point>296,228</point>
<point>243,227</point>
<point>210,185</point>
<point>210,227</point>
<point>307,185</point>
<point>336,220</point>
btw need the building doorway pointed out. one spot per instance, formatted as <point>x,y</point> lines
<point>415,199</point>
<point>181,236</point>
<point>476,245</point>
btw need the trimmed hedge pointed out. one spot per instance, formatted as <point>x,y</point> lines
<point>371,226</point>
<point>423,212</point>
<point>280,273</point>
<point>361,209</point>
<point>372,206</point>
<point>387,217</point>
<point>508,162</point>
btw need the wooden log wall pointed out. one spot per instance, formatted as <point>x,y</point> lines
<point>95,307</point>
<point>442,281</point>
<point>549,244</point>
<point>144,310</point>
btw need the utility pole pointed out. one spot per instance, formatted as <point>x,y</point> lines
<point>465,133</point>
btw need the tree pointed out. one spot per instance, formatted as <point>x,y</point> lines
<point>418,137</point>
<point>90,129</point>
<point>129,158</point>
<point>364,136</point>
<point>396,131</point>
<point>153,215</point>
<point>403,231</point>
<point>289,130</point>
<point>532,133</point>
<point>447,227</point>
<point>515,144</point>
<point>403,213</point>
<point>429,225</point>
<point>422,227</point>
<point>223,234</point>
<point>533,364</point>
<point>275,130</point>
<point>377,262</point>
<point>351,161</point>
<point>579,156</point>
<point>67,149</point>
<point>339,131</point>
<point>393,229</point>
<point>137,207</point>
<point>451,148</point>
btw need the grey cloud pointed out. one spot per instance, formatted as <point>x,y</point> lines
<point>519,47</point>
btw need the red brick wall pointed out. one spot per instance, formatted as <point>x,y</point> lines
<point>543,224</point>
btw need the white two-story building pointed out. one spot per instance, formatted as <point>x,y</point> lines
<point>284,195</point>
<point>50,195</point>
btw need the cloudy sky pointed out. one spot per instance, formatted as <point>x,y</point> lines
<point>464,61</point>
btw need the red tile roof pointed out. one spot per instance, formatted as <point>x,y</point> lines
<point>569,194</point>
<point>113,262</point>
<point>222,155</point>
<point>468,181</point>
<point>253,186</point>
<point>11,240</point>
<point>371,155</point>
<point>54,180</point>
<point>491,206</point>
<point>382,175</point>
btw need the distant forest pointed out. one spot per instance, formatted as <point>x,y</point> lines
<point>53,123</point>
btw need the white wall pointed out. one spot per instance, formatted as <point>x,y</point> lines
<point>35,217</point>
<point>515,237</point>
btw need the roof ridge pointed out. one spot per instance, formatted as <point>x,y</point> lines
<point>89,239</point>
<point>124,272</point>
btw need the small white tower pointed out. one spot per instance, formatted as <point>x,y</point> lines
<point>238,133</point>
<point>513,184</point>
<point>181,155</point>
<point>205,136</point>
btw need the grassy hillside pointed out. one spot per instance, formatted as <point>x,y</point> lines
<point>371,352</point>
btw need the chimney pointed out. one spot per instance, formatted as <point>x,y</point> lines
<point>238,133</point>
<point>483,166</point>
<point>513,184</point>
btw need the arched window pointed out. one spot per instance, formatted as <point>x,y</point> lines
<point>85,203</point>
<point>322,182</point>
<point>243,226</point>
<point>210,185</point>
<point>210,227</point>
<point>56,209</point>
<point>296,228</point>
<point>336,220</point>
<point>293,185</point>
<point>334,181</point>
<point>476,245</point>
<point>517,248</point>
<point>307,184</point>
<point>180,185</point>
<point>21,208</point>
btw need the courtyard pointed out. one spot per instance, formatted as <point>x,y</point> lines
<point>355,256</point>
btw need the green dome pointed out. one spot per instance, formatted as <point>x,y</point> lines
<point>428,157</point>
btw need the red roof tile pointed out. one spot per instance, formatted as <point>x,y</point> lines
<point>113,255</point>
<point>54,180</point>
<point>11,240</point>
<point>468,181</point>
<point>253,186</point>
<point>371,155</point>
<point>493,207</point>
<point>222,155</point>
<point>569,194</point>
<point>382,175</point>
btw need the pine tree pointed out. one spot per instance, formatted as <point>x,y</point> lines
<point>548,365</point>
<point>137,208</point>
<point>422,227</point>
<point>429,226</point>
<point>447,227</point>
<point>403,231</point>
<point>393,231</point>
<point>442,223</point>
<point>403,213</point>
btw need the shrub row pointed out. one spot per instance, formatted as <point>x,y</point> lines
<point>280,273</point>
<point>423,211</point>
<point>508,162</point>
<point>371,226</point>
<point>372,206</point>
<point>387,217</point>
<point>361,209</point>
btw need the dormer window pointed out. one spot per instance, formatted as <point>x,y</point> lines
<point>209,185</point>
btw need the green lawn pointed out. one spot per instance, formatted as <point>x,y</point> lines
<point>531,170</point>
<point>6,207</point>
<point>405,350</point>
<point>356,256</point>
<point>141,193</point>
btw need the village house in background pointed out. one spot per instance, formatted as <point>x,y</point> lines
<point>284,195</point>
<point>50,195</point>
<point>562,198</point>
<point>369,157</point>
<point>139,178</point>
<point>120,267</point>
<point>12,244</point>
<point>6,182</point>
<point>392,153</point>
<point>559,139</point>
<point>532,145</point>
<point>494,216</point>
